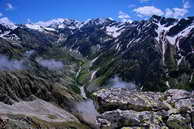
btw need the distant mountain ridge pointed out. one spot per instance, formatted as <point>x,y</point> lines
<point>160,48</point>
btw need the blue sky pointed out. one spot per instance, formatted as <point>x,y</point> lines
<point>22,11</point>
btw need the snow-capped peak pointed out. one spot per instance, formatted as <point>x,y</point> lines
<point>34,27</point>
<point>39,28</point>
<point>114,31</point>
<point>58,23</point>
<point>102,20</point>
<point>7,23</point>
<point>53,22</point>
<point>97,21</point>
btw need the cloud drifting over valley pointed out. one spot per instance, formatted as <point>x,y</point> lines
<point>117,82</point>
<point>8,64</point>
<point>51,64</point>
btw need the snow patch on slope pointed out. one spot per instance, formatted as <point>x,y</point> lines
<point>162,30</point>
<point>34,27</point>
<point>161,38</point>
<point>52,23</point>
<point>5,33</point>
<point>175,40</point>
<point>60,23</point>
<point>113,31</point>
<point>94,60</point>
<point>184,33</point>
<point>93,75</point>
<point>39,28</point>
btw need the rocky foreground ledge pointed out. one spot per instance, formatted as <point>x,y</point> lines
<point>117,109</point>
<point>121,108</point>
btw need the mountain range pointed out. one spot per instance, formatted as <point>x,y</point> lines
<point>155,54</point>
<point>63,61</point>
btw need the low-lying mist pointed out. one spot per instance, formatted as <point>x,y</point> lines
<point>29,53</point>
<point>51,64</point>
<point>87,112</point>
<point>11,64</point>
<point>117,82</point>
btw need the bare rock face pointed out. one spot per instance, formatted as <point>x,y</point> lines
<point>37,114</point>
<point>179,122</point>
<point>28,101</point>
<point>132,118</point>
<point>121,108</point>
<point>127,100</point>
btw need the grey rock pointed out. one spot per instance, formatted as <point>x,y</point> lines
<point>133,109</point>
<point>119,118</point>
<point>177,94</point>
<point>125,99</point>
<point>176,121</point>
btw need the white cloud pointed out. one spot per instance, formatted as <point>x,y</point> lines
<point>1,14</point>
<point>9,6</point>
<point>178,12</point>
<point>148,11</point>
<point>51,64</point>
<point>124,17</point>
<point>186,4</point>
<point>7,64</point>
<point>29,20</point>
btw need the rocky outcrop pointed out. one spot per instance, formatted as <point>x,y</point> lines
<point>36,114</point>
<point>118,118</point>
<point>125,99</point>
<point>132,109</point>
<point>31,101</point>
<point>25,122</point>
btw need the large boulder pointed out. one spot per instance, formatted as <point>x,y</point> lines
<point>114,98</point>
<point>180,100</point>
<point>119,118</point>
<point>177,121</point>
<point>132,109</point>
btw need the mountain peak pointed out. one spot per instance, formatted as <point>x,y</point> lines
<point>98,21</point>
<point>7,23</point>
<point>54,22</point>
<point>156,17</point>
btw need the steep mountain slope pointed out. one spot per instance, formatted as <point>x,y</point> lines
<point>38,86</point>
<point>155,54</point>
